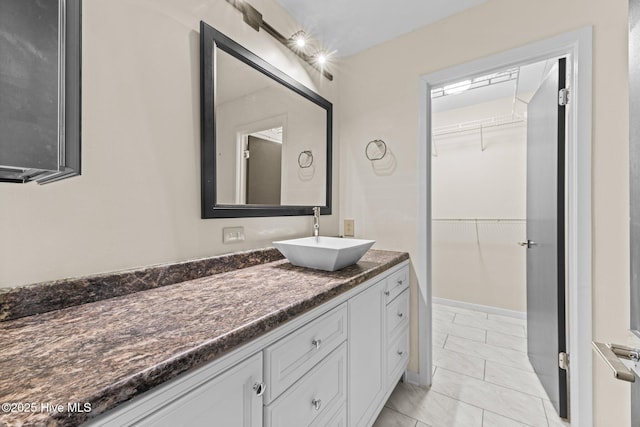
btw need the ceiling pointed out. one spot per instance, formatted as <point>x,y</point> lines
<point>529,79</point>
<point>346,27</point>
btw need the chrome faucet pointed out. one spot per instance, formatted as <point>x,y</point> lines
<point>316,221</point>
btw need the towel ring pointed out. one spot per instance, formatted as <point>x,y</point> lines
<point>305,159</point>
<point>376,150</point>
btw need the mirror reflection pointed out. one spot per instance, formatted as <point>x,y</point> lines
<point>271,142</point>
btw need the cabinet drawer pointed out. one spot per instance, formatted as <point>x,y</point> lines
<point>289,359</point>
<point>396,283</point>
<point>397,356</point>
<point>312,400</point>
<point>397,314</point>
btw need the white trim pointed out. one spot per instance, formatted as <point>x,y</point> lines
<point>412,378</point>
<point>577,46</point>
<point>242,140</point>
<point>479,307</point>
<point>423,262</point>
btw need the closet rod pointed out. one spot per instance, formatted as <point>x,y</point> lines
<point>477,127</point>
<point>475,220</point>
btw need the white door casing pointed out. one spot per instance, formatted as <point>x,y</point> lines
<point>577,46</point>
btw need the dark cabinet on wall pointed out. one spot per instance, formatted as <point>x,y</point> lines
<point>39,89</point>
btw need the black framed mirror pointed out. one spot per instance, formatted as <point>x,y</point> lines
<point>266,144</point>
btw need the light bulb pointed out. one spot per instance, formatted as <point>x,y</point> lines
<point>299,39</point>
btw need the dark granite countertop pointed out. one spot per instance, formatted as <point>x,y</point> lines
<point>104,353</point>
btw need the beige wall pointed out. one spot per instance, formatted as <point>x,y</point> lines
<point>138,199</point>
<point>379,99</point>
<point>479,262</point>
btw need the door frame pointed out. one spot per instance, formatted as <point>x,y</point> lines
<point>577,47</point>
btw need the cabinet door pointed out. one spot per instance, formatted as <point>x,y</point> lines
<point>366,354</point>
<point>227,400</point>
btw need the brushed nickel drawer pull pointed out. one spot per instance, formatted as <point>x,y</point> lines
<point>259,388</point>
<point>316,343</point>
<point>317,403</point>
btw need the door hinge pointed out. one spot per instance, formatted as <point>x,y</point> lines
<point>245,154</point>
<point>563,360</point>
<point>563,97</point>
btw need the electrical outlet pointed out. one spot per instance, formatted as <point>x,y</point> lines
<point>232,234</point>
<point>349,227</point>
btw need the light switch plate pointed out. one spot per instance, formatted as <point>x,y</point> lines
<point>349,227</point>
<point>232,234</point>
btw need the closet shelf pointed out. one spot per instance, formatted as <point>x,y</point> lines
<point>476,125</point>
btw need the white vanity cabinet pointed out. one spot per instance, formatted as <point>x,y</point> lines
<point>333,366</point>
<point>307,373</point>
<point>287,360</point>
<point>315,398</point>
<point>367,371</point>
<point>378,344</point>
<point>397,336</point>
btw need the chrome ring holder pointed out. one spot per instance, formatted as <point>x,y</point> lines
<point>305,159</point>
<point>376,150</point>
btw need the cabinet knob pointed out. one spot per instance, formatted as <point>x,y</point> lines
<point>387,293</point>
<point>316,404</point>
<point>316,343</point>
<point>400,353</point>
<point>400,281</point>
<point>259,388</point>
<point>400,314</point>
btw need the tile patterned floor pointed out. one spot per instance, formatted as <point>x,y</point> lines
<point>482,378</point>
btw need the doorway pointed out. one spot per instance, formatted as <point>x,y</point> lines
<point>577,47</point>
<point>262,155</point>
<point>495,162</point>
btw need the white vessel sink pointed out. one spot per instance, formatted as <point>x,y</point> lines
<point>323,253</point>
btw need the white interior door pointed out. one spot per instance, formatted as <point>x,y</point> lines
<point>546,325</point>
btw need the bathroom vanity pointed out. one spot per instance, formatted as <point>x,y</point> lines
<point>270,344</point>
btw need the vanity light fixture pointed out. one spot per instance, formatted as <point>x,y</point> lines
<point>253,18</point>
<point>321,58</point>
<point>299,39</point>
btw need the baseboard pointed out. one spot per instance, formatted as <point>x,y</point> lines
<point>413,378</point>
<point>478,307</point>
